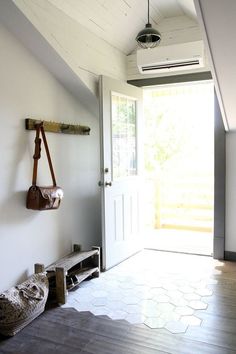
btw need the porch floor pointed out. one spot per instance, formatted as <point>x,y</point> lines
<point>192,242</point>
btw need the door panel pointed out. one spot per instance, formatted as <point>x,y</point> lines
<point>120,115</point>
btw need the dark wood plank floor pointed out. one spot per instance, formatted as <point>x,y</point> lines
<point>66,331</point>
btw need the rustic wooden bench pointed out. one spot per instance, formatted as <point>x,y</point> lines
<point>69,271</point>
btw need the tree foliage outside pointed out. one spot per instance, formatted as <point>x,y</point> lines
<point>178,148</point>
<point>164,139</point>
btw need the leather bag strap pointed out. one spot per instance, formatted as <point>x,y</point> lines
<point>37,154</point>
<point>48,155</point>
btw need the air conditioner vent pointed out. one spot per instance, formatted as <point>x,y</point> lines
<point>170,65</point>
<point>176,57</point>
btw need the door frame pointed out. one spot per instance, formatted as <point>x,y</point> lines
<point>219,155</point>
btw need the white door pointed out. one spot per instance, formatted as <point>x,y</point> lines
<point>120,113</point>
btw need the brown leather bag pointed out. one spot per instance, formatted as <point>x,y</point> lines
<point>43,198</point>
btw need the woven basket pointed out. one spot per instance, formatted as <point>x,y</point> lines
<point>22,304</point>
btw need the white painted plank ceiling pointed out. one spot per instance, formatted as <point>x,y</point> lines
<point>118,21</point>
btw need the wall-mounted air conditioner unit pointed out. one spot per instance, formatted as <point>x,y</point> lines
<point>183,56</point>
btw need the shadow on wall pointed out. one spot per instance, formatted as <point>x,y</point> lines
<point>23,277</point>
<point>84,218</point>
<point>13,208</point>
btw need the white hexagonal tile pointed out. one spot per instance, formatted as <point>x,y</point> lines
<point>99,293</point>
<point>128,292</point>
<point>117,315</point>
<point>204,292</point>
<point>170,316</point>
<point>192,296</point>
<point>179,301</point>
<point>198,305</point>
<point>144,303</point>
<point>176,327</point>
<point>130,300</point>
<point>186,289</point>
<point>175,294</point>
<point>115,296</point>
<point>135,318</point>
<point>83,291</point>
<point>157,291</point>
<point>184,310</point>
<point>142,289</point>
<point>161,298</point>
<point>146,295</point>
<point>99,301</point>
<point>115,305</point>
<point>180,282</point>
<point>151,311</point>
<point>83,298</point>
<point>154,283</point>
<point>83,307</point>
<point>139,281</point>
<point>155,322</point>
<point>169,286</point>
<point>191,320</point>
<point>166,308</point>
<point>133,308</point>
<point>133,293</point>
<point>127,285</point>
<point>99,311</point>
<point>212,281</point>
<point>124,279</point>
<point>86,284</point>
<point>200,284</point>
<point>112,284</point>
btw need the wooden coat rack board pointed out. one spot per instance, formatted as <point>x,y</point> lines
<point>57,127</point>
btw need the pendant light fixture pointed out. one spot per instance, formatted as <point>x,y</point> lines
<point>148,37</point>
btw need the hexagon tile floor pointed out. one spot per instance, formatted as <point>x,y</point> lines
<point>157,289</point>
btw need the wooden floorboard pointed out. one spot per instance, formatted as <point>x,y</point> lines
<point>67,331</point>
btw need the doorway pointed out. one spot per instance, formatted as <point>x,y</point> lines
<point>179,167</point>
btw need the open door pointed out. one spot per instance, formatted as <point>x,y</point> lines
<point>120,113</point>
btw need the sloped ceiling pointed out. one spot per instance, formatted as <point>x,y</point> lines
<point>119,21</point>
<point>32,39</point>
<point>78,40</point>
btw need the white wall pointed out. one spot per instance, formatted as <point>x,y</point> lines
<point>26,237</point>
<point>230,243</point>
<point>217,21</point>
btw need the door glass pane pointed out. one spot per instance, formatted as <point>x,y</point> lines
<point>124,150</point>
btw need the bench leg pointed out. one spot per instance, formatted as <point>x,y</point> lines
<point>61,285</point>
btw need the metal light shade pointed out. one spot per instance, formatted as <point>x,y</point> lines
<point>148,37</point>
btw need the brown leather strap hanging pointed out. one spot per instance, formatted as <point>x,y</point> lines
<point>37,154</point>
<point>48,155</point>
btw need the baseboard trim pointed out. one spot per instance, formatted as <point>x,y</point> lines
<point>230,256</point>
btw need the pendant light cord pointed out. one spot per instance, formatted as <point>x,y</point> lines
<point>148,11</point>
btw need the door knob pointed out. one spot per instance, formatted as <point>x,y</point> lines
<point>108,184</point>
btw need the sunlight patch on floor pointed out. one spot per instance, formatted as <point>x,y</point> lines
<point>157,289</point>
